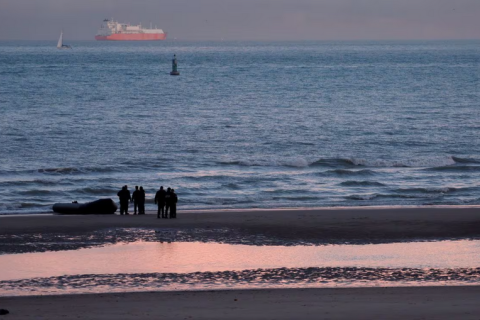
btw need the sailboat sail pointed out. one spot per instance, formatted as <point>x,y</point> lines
<point>60,40</point>
<point>60,44</point>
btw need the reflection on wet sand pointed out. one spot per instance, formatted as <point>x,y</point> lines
<point>150,265</point>
<point>185,257</point>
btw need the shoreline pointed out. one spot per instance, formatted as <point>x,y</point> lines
<point>205,210</point>
<point>255,227</point>
<point>333,303</point>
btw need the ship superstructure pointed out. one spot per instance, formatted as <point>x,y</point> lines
<point>115,31</point>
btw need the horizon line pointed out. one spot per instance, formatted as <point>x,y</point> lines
<point>256,40</point>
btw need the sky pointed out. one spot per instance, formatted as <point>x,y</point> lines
<point>247,19</point>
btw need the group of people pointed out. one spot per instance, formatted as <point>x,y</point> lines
<point>166,201</point>
<point>138,199</point>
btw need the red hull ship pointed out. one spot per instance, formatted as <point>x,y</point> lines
<point>114,31</point>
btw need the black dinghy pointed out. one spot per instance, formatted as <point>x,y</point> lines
<point>102,206</point>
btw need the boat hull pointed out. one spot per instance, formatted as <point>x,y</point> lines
<point>102,206</point>
<point>132,37</point>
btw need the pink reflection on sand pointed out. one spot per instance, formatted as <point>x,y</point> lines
<point>186,257</point>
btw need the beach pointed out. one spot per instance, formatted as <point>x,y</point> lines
<point>365,303</point>
<point>256,227</point>
<point>334,225</point>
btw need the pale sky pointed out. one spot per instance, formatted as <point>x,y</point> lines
<point>247,19</point>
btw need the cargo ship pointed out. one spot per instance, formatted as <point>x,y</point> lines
<point>115,31</point>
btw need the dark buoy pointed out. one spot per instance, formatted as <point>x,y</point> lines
<point>174,66</point>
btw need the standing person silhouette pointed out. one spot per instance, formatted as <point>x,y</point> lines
<point>141,201</point>
<point>124,197</point>
<point>167,202</point>
<point>160,201</point>
<point>135,197</point>
<point>173,204</point>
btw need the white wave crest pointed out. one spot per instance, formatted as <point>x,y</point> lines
<point>270,162</point>
<point>362,196</point>
<point>418,162</point>
<point>302,162</point>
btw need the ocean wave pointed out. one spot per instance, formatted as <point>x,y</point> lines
<point>206,177</point>
<point>299,162</point>
<point>400,163</point>
<point>298,198</point>
<point>15,207</point>
<point>465,160</point>
<point>75,170</point>
<point>289,162</point>
<point>97,191</point>
<point>427,190</point>
<point>22,183</point>
<point>459,168</point>
<point>418,162</point>
<point>59,170</point>
<point>333,162</point>
<point>221,201</point>
<point>33,205</point>
<point>364,172</point>
<point>409,196</point>
<point>39,192</point>
<point>8,207</point>
<point>364,197</point>
<point>232,186</point>
<point>45,182</point>
<point>361,197</point>
<point>348,162</point>
<point>362,183</point>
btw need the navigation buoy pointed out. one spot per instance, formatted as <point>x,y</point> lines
<point>174,66</point>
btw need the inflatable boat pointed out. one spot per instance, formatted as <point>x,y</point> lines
<point>102,206</point>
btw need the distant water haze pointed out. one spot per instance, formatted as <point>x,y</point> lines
<point>247,19</point>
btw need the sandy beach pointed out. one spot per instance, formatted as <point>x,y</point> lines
<point>365,303</point>
<point>324,225</point>
<point>299,226</point>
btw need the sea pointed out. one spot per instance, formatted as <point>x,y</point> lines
<point>245,125</point>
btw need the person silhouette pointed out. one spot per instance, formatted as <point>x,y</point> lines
<point>173,204</point>
<point>124,197</point>
<point>160,201</point>
<point>141,201</point>
<point>135,197</point>
<point>167,202</point>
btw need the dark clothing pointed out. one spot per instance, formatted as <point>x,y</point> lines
<point>168,202</point>
<point>135,198</point>
<point>124,196</point>
<point>161,210</point>
<point>160,196</point>
<point>141,202</point>
<point>123,207</point>
<point>160,200</point>
<point>173,205</point>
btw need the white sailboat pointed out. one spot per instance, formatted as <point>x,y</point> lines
<point>60,44</point>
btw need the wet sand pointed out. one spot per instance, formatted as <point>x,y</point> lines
<point>359,303</point>
<point>361,225</point>
<point>324,225</point>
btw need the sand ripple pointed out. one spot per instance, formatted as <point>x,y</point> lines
<point>286,277</point>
